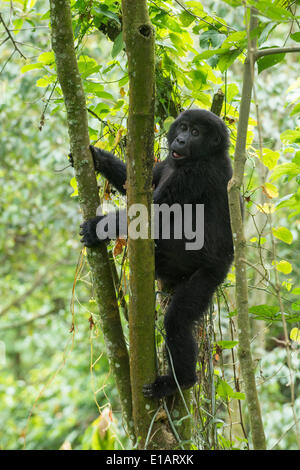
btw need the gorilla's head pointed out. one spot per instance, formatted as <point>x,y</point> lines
<point>197,133</point>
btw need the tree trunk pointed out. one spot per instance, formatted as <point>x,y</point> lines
<point>70,81</point>
<point>241,293</point>
<point>139,40</point>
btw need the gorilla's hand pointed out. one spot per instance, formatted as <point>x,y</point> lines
<point>71,161</point>
<point>96,154</point>
<point>89,232</point>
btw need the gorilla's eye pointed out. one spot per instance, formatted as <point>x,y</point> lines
<point>195,132</point>
<point>183,127</point>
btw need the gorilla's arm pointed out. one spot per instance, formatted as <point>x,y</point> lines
<point>111,167</point>
<point>157,172</point>
<point>114,170</point>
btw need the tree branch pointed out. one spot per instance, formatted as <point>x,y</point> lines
<point>11,37</point>
<point>275,50</point>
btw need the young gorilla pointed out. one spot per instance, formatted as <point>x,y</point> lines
<point>196,171</point>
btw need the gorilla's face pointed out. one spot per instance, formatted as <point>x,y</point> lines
<point>196,133</point>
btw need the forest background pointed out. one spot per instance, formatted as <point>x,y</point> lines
<point>56,387</point>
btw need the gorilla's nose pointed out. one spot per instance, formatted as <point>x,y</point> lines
<point>180,140</point>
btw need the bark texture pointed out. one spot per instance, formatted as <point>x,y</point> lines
<point>70,81</point>
<point>241,290</point>
<point>139,41</point>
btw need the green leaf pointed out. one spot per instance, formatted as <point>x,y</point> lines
<point>270,10</point>
<point>295,110</point>
<point>18,23</point>
<point>73,183</point>
<point>177,41</point>
<point>186,18</point>
<point>295,36</point>
<point>264,311</point>
<point>269,61</point>
<point>118,45</point>
<point>87,66</point>
<point>296,306</point>
<point>105,95</point>
<point>223,389</point>
<point>208,54</point>
<point>295,335</point>
<point>288,169</point>
<point>296,291</point>
<point>92,87</point>
<point>238,395</point>
<point>270,190</point>
<point>43,82</point>
<point>168,122</point>
<point>227,344</point>
<point>238,39</point>
<point>268,28</point>
<point>231,91</point>
<point>100,10</point>
<point>27,68</point>
<point>47,58</point>
<point>211,38</point>
<point>284,267</point>
<point>227,59</point>
<point>291,136</point>
<point>101,109</point>
<point>283,234</point>
<point>270,158</point>
<point>97,89</point>
<point>123,80</point>
<point>195,6</point>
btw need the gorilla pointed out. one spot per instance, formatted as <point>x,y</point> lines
<point>196,171</point>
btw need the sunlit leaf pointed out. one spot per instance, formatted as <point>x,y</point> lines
<point>284,267</point>
<point>28,67</point>
<point>295,335</point>
<point>270,190</point>
<point>283,234</point>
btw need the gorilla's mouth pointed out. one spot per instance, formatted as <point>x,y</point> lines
<point>177,156</point>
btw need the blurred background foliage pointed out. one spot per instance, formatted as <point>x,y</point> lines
<point>56,390</point>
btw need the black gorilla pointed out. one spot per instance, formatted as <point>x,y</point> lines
<point>196,171</point>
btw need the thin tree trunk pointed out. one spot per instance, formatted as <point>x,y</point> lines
<point>241,292</point>
<point>139,41</point>
<point>70,81</point>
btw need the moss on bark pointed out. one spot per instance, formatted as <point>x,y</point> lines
<point>70,81</point>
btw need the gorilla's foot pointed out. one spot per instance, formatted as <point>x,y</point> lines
<point>163,386</point>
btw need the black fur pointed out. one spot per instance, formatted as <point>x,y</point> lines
<point>196,171</point>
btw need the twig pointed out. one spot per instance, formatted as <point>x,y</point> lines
<point>286,338</point>
<point>202,19</point>
<point>41,278</point>
<point>10,37</point>
<point>30,320</point>
<point>259,272</point>
<point>275,50</point>
<point>6,62</point>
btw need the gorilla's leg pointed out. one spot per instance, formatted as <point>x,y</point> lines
<point>190,300</point>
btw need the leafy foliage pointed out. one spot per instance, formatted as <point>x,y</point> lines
<point>200,48</point>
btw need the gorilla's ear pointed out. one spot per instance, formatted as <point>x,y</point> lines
<point>218,136</point>
<point>172,131</point>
